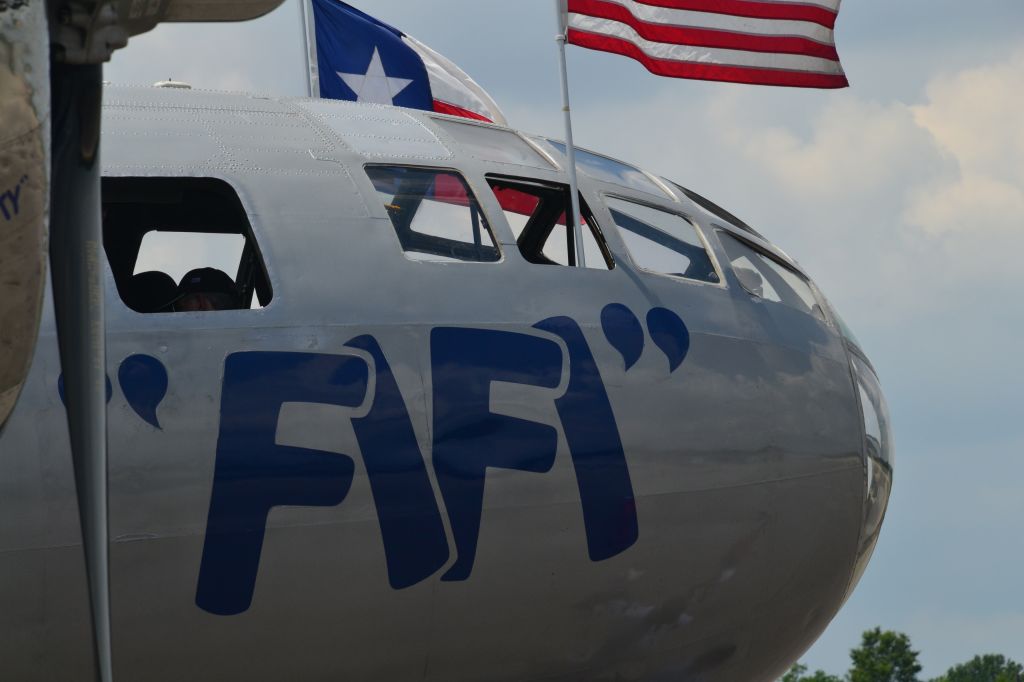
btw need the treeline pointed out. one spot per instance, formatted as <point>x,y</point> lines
<point>885,656</point>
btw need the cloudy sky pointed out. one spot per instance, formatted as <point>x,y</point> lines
<point>903,196</point>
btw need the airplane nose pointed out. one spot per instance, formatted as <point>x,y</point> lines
<point>878,462</point>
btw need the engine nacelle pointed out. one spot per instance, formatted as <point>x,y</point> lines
<point>24,189</point>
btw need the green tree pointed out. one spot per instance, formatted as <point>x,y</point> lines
<point>797,674</point>
<point>884,656</point>
<point>988,668</point>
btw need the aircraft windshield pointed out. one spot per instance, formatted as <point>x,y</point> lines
<point>435,215</point>
<point>609,170</point>
<point>536,213</point>
<point>767,279</point>
<point>662,242</point>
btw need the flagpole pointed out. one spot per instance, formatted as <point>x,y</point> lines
<point>562,8</point>
<point>309,36</point>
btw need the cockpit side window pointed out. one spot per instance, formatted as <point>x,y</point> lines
<point>435,214</point>
<point>181,245</point>
<point>662,242</point>
<point>536,212</point>
<point>766,278</point>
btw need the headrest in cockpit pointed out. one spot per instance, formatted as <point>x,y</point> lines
<point>151,292</point>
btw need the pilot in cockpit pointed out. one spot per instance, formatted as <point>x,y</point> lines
<point>207,289</point>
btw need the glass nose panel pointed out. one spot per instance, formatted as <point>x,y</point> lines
<point>876,414</point>
<point>879,461</point>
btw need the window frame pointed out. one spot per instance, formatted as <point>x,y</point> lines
<point>473,192</point>
<point>588,215</point>
<point>252,258</point>
<point>714,210</point>
<point>712,255</point>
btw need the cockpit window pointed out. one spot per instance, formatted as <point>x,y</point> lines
<point>764,277</point>
<point>662,242</point>
<point>536,213</point>
<point>610,170</point>
<point>435,214</point>
<point>181,245</point>
<point>844,328</point>
<point>177,253</point>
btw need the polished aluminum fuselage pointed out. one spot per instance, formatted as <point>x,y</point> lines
<point>747,463</point>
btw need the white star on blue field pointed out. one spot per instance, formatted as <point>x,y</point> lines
<point>375,86</point>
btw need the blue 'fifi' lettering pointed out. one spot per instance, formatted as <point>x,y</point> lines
<point>468,437</point>
<point>253,474</point>
<point>606,492</point>
<point>415,544</point>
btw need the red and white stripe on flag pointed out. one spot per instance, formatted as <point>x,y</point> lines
<point>762,42</point>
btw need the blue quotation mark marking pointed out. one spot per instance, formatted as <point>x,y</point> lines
<point>623,332</point>
<point>626,335</point>
<point>144,383</point>
<point>670,334</point>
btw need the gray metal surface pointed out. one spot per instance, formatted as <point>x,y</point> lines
<point>747,463</point>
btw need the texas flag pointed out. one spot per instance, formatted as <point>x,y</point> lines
<point>363,59</point>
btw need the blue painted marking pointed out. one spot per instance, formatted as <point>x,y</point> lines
<point>468,437</point>
<point>10,201</point>
<point>415,544</point>
<point>623,331</point>
<point>602,474</point>
<point>60,390</point>
<point>144,383</point>
<point>669,333</point>
<point>253,474</point>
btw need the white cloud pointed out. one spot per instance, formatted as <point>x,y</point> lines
<point>263,55</point>
<point>974,117</point>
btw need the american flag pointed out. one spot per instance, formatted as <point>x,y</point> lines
<point>762,42</point>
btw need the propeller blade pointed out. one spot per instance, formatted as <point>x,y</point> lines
<point>76,243</point>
